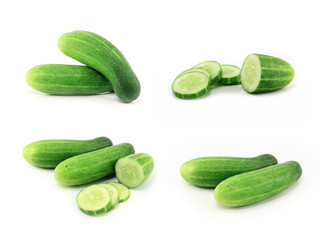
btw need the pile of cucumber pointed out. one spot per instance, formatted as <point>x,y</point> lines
<point>78,162</point>
<point>241,181</point>
<point>259,73</point>
<point>106,69</point>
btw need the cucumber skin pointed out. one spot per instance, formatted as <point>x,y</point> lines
<point>89,167</point>
<point>101,55</point>
<point>60,79</point>
<point>255,186</point>
<point>208,172</point>
<point>49,153</point>
<point>276,73</point>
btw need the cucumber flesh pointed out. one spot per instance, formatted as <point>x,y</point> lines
<point>124,192</point>
<point>230,75</point>
<point>94,200</point>
<point>214,68</point>
<point>114,194</point>
<point>204,71</point>
<point>251,72</point>
<point>191,85</point>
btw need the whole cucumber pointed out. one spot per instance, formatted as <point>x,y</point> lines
<point>210,171</point>
<point>101,55</point>
<point>251,187</point>
<point>49,153</point>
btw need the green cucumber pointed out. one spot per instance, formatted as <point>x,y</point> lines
<point>124,192</point>
<point>132,170</point>
<point>94,200</point>
<point>49,153</point>
<point>204,71</point>
<point>261,73</point>
<point>63,79</point>
<point>255,186</point>
<point>213,68</point>
<point>230,75</point>
<point>101,55</point>
<point>114,193</point>
<point>92,166</point>
<point>191,85</point>
<point>210,171</point>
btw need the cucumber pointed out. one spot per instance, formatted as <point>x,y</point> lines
<point>101,55</point>
<point>132,170</point>
<point>94,200</point>
<point>204,71</point>
<point>255,186</point>
<point>210,171</point>
<point>124,192</point>
<point>114,194</point>
<point>230,75</point>
<point>213,68</point>
<point>191,85</point>
<point>89,167</point>
<point>62,79</point>
<point>261,73</point>
<point>49,153</point>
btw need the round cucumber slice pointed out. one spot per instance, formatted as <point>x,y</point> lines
<point>204,71</point>
<point>230,75</point>
<point>94,200</point>
<point>124,192</point>
<point>191,85</point>
<point>214,68</point>
<point>114,194</point>
<point>132,170</point>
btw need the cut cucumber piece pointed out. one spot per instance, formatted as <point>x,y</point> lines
<point>94,200</point>
<point>213,68</point>
<point>261,73</point>
<point>124,192</point>
<point>114,194</point>
<point>204,71</point>
<point>132,170</point>
<point>191,85</point>
<point>230,75</point>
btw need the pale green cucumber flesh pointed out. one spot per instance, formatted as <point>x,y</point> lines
<point>60,79</point>
<point>49,153</point>
<point>191,70</point>
<point>255,186</point>
<point>191,85</point>
<point>132,170</point>
<point>94,200</point>
<point>230,75</point>
<point>114,194</point>
<point>214,68</point>
<point>261,73</point>
<point>124,192</point>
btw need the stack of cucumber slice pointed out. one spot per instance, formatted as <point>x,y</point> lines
<point>259,73</point>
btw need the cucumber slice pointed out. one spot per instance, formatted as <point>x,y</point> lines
<point>114,194</point>
<point>261,73</point>
<point>204,71</point>
<point>230,75</point>
<point>94,200</point>
<point>132,170</point>
<point>124,192</point>
<point>214,68</point>
<point>191,85</point>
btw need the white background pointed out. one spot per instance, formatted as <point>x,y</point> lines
<point>160,40</point>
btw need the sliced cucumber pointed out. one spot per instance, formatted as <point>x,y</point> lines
<point>230,75</point>
<point>192,84</point>
<point>132,170</point>
<point>124,192</point>
<point>94,200</point>
<point>114,194</point>
<point>261,73</point>
<point>202,70</point>
<point>213,68</point>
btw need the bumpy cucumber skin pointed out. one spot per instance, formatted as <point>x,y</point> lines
<point>49,153</point>
<point>101,55</point>
<point>276,73</point>
<point>255,186</point>
<point>60,79</point>
<point>121,197</point>
<point>236,80</point>
<point>208,172</point>
<point>89,167</point>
